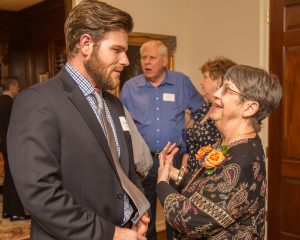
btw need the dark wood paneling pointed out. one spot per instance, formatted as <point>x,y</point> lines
<point>284,125</point>
<point>288,236</point>
<point>7,23</point>
<point>29,32</point>
<point>275,122</point>
<point>291,38</point>
<point>290,198</point>
<point>292,18</point>
<point>290,168</point>
<point>291,97</point>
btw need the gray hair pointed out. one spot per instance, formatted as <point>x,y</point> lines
<point>257,85</point>
<point>163,50</point>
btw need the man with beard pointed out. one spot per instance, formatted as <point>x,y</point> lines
<point>59,144</point>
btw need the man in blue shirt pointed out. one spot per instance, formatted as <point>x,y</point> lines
<point>157,100</point>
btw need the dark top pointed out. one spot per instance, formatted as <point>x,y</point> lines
<point>6,103</point>
<point>200,134</point>
<point>228,204</point>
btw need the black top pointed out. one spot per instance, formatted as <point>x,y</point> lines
<point>6,103</point>
<point>228,204</point>
<point>200,134</point>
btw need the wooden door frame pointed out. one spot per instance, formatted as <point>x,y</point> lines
<point>276,123</point>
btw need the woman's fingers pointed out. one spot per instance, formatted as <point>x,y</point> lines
<point>174,151</point>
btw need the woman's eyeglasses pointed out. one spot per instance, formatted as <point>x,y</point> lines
<point>225,89</point>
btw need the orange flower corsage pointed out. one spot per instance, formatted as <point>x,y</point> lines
<point>213,158</point>
<point>203,151</point>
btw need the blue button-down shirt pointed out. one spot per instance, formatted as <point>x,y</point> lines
<point>159,112</point>
<point>88,89</point>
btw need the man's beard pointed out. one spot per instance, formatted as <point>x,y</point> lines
<point>97,69</point>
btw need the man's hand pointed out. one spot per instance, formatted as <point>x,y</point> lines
<point>141,226</point>
<point>127,234</point>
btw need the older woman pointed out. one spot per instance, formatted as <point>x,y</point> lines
<point>203,130</point>
<point>224,198</point>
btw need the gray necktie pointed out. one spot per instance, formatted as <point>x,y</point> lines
<point>134,193</point>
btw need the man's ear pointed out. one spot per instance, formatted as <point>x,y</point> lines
<point>86,44</point>
<point>250,108</point>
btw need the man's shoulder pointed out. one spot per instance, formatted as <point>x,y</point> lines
<point>133,83</point>
<point>49,87</point>
<point>178,78</point>
<point>135,80</point>
<point>177,75</point>
<point>44,86</point>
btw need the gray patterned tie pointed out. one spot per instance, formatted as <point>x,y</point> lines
<point>134,193</point>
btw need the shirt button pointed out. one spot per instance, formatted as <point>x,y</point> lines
<point>156,98</point>
<point>157,109</point>
<point>120,196</point>
<point>157,119</point>
<point>157,130</point>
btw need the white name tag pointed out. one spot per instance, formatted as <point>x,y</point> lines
<point>169,97</point>
<point>124,124</point>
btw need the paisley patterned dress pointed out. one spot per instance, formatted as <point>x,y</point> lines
<point>228,204</point>
<point>200,134</point>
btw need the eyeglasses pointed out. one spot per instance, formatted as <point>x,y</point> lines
<point>225,89</point>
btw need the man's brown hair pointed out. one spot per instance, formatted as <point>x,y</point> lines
<point>95,18</point>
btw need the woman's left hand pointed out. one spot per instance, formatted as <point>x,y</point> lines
<point>165,162</point>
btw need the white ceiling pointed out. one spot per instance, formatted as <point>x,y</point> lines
<point>17,5</point>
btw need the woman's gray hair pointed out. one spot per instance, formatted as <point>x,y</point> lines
<point>257,85</point>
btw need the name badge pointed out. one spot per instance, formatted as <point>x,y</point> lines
<point>169,97</point>
<point>124,124</point>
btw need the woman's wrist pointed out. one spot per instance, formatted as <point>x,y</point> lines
<point>174,173</point>
<point>180,175</point>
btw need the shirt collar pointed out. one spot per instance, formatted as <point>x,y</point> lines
<point>85,86</point>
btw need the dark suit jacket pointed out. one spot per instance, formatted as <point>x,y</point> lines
<point>61,163</point>
<point>6,103</point>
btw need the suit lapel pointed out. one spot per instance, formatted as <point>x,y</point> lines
<point>82,105</point>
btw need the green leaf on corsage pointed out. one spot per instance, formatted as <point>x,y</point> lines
<point>210,171</point>
<point>224,149</point>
